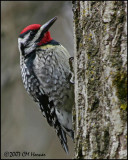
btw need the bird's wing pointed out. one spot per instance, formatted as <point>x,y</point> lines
<point>53,76</point>
<point>52,69</point>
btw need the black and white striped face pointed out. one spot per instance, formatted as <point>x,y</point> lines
<point>32,35</point>
<point>27,41</point>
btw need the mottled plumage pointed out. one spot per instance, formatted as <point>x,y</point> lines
<point>46,74</point>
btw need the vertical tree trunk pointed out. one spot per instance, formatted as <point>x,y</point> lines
<point>100,79</point>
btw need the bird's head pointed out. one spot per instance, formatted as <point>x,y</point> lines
<point>34,35</point>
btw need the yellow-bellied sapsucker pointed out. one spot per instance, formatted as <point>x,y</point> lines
<point>47,77</point>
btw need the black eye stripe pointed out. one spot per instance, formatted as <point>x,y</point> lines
<point>22,48</point>
<point>33,32</point>
<point>31,36</point>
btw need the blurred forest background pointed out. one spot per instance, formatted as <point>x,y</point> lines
<point>23,126</point>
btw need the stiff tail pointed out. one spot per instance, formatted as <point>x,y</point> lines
<point>53,121</point>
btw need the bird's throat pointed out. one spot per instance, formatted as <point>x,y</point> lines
<point>47,38</point>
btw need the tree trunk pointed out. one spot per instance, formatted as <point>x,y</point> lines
<point>100,79</point>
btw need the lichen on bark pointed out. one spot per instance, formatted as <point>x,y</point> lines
<point>100,66</point>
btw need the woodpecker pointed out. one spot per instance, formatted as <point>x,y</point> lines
<point>46,70</point>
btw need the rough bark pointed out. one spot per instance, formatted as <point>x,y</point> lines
<point>100,79</point>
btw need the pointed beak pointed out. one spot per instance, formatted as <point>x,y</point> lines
<point>44,28</point>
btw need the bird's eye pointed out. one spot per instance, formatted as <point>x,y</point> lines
<point>31,33</point>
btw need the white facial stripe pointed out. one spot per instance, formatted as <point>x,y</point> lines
<point>30,48</point>
<point>19,44</point>
<point>24,40</point>
<point>37,36</point>
<point>27,48</point>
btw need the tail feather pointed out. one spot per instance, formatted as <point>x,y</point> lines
<point>53,121</point>
<point>63,139</point>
